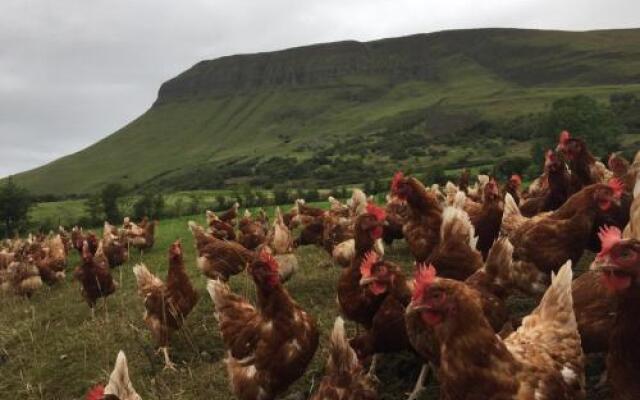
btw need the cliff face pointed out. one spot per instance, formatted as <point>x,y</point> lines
<point>525,57</point>
<point>303,102</point>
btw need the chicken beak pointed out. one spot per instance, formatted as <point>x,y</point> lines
<point>367,281</point>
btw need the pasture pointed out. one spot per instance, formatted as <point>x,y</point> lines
<point>51,349</point>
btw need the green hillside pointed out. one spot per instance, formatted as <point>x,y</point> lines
<point>254,118</point>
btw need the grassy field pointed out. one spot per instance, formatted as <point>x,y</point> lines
<point>51,349</point>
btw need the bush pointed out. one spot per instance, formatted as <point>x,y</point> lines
<point>281,196</point>
<point>15,203</point>
<point>585,118</point>
<point>149,205</point>
<point>109,196</point>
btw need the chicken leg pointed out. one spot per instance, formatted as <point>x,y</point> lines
<point>424,374</point>
<point>167,361</point>
<point>372,369</point>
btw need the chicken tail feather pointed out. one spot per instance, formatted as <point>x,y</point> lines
<point>557,302</point>
<point>456,225</point>
<point>341,355</point>
<point>145,279</point>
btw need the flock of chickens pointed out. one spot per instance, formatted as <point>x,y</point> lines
<point>474,246</point>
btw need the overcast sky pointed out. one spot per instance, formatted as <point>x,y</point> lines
<point>74,71</point>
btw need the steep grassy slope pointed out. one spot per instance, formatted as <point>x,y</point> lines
<point>298,101</point>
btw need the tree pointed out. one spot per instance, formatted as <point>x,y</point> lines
<point>15,203</point>
<point>110,195</point>
<point>93,210</point>
<point>583,117</point>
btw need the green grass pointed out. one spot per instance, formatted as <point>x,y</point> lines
<point>201,117</point>
<point>51,349</point>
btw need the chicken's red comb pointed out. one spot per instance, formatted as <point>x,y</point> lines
<point>424,277</point>
<point>396,181</point>
<point>517,178</point>
<point>366,268</point>
<point>96,393</point>
<point>617,186</point>
<point>268,259</point>
<point>376,211</point>
<point>609,236</point>
<point>564,136</point>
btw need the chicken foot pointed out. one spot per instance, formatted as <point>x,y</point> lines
<point>167,361</point>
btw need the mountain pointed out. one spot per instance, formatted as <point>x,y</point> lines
<point>281,117</point>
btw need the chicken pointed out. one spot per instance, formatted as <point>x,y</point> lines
<point>585,169</point>
<point>252,232</point>
<point>388,333</point>
<point>487,217</point>
<point>337,209</point>
<point>280,244</point>
<point>279,237</point>
<point>397,214</point>
<point>77,238</point>
<point>291,218</point>
<point>557,192</point>
<point>548,240</point>
<point>219,259</point>
<point>422,227</point>
<point>541,360</point>
<point>94,276</point>
<point>513,187</point>
<point>386,281</point>
<point>6,258</point>
<point>618,264</point>
<point>344,377</point>
<point>115,246</point>
<point>476,192</point>
<point>456,256</point>
<point>142,237</point>
<point>620,168</point>
<point>463,181</point>
<point>230,215</point>
<point>595,311</point>
<point>355,304</point>
<point>309,211</point>
<point>312,233</point>
<point>219,228</point>
<point>357,203</point>
<point>490,287</point>
<point>632,230</point>
<point>166,305</point>
<point>270,345</point>
<point>119,386</point>
<point>48,266</point>
<point>50,258</point>
<point>20,277</point>
<point>66,239</point>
